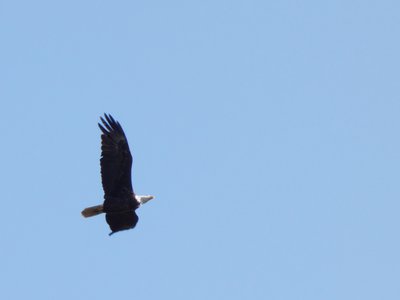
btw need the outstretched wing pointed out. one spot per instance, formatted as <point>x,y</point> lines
<point>116,159</point>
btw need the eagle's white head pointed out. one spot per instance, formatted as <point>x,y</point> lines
<point>143,199</point>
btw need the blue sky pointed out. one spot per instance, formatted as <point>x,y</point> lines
<point>268,131</point>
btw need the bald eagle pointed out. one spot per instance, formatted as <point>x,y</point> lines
<point>120,201</point>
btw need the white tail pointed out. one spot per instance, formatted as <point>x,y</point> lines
<point>92,211</point>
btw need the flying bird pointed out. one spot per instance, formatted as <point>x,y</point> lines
<point>120,201</point>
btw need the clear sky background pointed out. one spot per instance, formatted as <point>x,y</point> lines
<point>267,130</point>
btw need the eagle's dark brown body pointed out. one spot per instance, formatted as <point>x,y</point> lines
<point>120,212</point>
